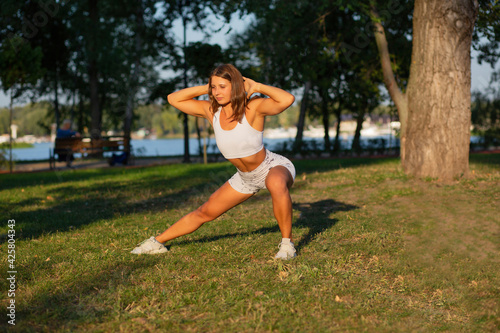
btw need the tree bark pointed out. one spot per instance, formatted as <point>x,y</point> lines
<point>439,114</point>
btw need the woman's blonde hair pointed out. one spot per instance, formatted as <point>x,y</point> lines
<point>238,97</point>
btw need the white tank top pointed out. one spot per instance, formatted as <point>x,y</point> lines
<point>241,141</point>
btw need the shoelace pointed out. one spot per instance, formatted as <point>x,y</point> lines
<point>144,241</point>
<point>283,244</point>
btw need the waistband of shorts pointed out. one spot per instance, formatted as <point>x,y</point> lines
<point>258,169</point>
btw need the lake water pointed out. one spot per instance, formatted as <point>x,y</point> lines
<point>158,147</point>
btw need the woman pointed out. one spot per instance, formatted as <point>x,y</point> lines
<point>238,124</point>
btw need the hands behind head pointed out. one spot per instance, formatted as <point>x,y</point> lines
<point>250,86</point>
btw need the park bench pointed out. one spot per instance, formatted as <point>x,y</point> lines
<point>65,148</point>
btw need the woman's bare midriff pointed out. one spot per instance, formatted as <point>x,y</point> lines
<point>249,163</point>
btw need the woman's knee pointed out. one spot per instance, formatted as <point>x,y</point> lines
<point>278,181</point>
<point>204,214</point>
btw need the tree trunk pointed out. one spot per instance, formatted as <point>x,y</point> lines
<point>81,111</point>
<point>302,117</point>
<point>439,114</point>
<point>185,119</point>
<point>134,80</point>
<point>95,112</point>
<point>356,141</point>
<point>198,135</point>
<point>185,122</point>
<point>338,114</point>
<point>11,112</point>
<point>57,113</point>
<point>398,97</point>
<point>326,120</point>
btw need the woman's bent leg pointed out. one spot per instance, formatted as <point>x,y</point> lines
<point>219,202</point>
<point>278,182</point>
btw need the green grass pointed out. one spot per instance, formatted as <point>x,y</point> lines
<point>378,251</point>
<point>6,145</point>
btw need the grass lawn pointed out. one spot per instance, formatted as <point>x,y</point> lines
<point>377,251</point>
<point>6,145</point>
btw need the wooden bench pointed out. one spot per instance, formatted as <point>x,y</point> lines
<point>65,148</point>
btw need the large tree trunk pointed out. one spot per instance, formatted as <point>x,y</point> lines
<point>438,129</point>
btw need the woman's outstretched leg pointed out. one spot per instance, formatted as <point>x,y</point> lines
<point>219,202</point>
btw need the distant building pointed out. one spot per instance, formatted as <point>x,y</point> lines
<point>13,129</point>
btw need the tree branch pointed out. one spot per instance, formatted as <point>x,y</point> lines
<point>398,97</point>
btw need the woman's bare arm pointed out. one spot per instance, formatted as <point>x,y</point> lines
<point>184,101</point>
<point>278,101</point>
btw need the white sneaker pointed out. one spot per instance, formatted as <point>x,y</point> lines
<point>287,251</point>
<point>150,246</point>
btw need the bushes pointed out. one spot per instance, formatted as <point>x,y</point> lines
<point>316,148</point>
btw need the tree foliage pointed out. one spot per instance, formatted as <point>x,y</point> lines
<point>20,66</point>
<point>89,51</point>
<point>486,117</point>
<point>487,31</point>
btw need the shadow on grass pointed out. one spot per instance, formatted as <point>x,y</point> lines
<point>20,180</point>
<point>328,164</point>
<point>68,206</point>
<point>486,158</point>
<point>315,216</point>
<point>71,304</point>
<point>74,199</point>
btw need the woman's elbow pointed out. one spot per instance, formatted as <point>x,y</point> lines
<point>285,103</point>
<point>290,100</point>
<point>170,99</point>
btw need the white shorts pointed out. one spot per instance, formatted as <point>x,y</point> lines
<point>255,180</point>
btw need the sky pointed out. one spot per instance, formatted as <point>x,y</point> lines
<point>480,74</point>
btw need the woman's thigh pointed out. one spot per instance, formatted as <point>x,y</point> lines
<point>223,200</point>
